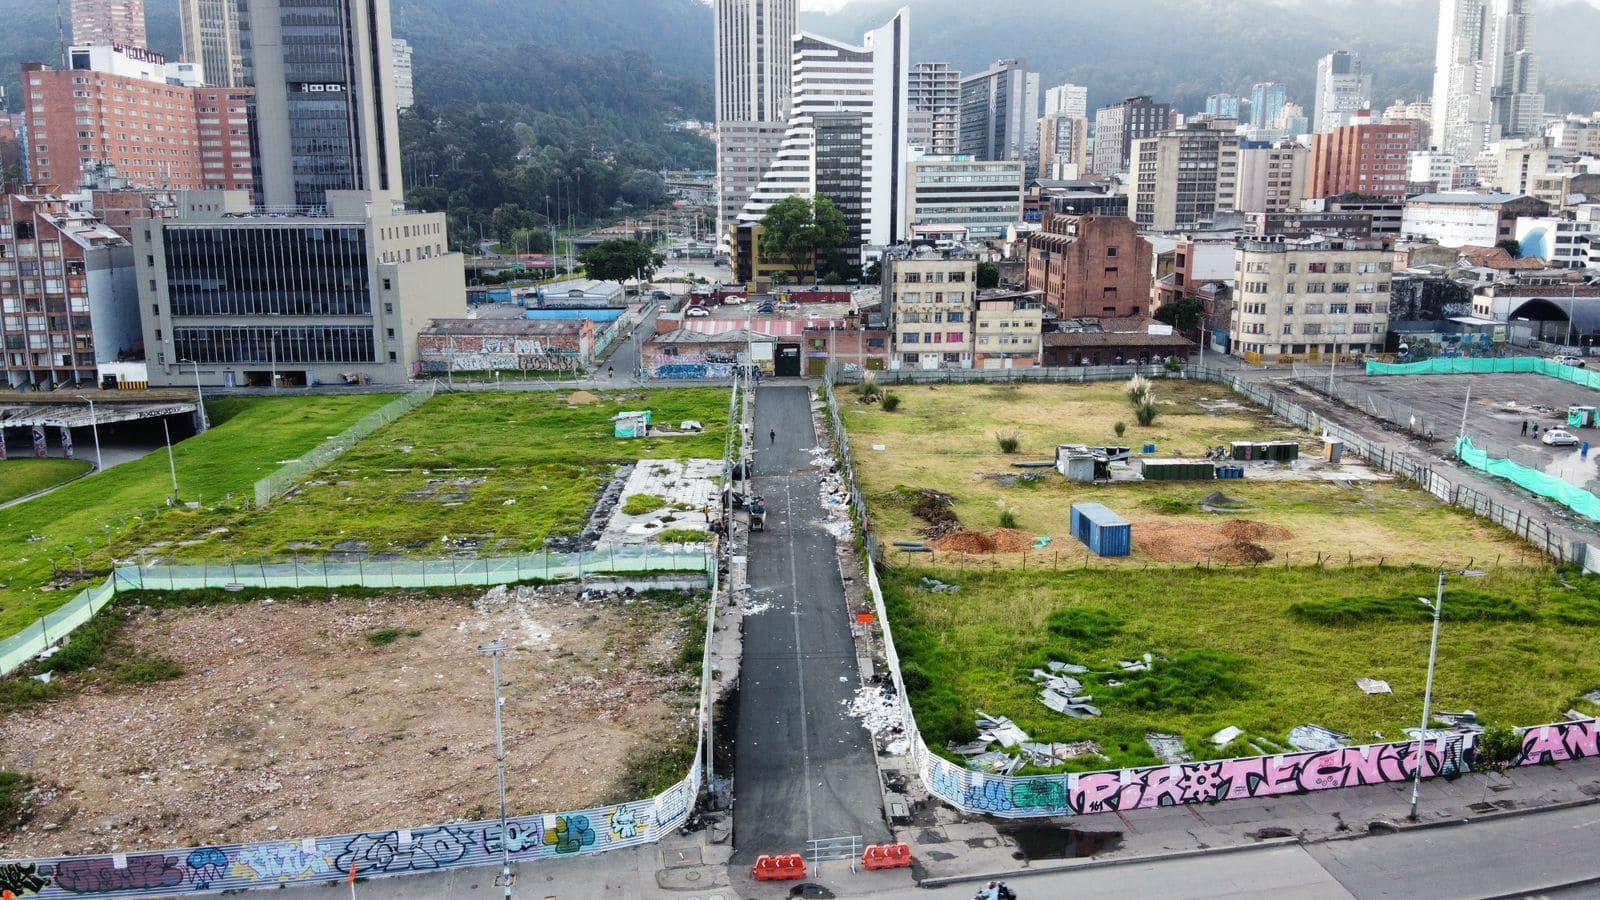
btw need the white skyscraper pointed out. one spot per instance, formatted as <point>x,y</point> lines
<point>752,56</point>
<point>1485,80</point>
<point>1517,104</point>
<point>1342,91</point>
<point>867,85</point>
<point>1070,100</point>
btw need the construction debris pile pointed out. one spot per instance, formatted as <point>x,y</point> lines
<point>835,493</point>
<point>981,757</point>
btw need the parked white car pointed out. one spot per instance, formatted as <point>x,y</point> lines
<point>696,312</point>
<point>1559,437</point>
<point>1568,361</point>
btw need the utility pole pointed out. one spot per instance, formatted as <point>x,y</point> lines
<point>493,651</point>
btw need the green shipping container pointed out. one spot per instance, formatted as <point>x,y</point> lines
<point>1178,470</point>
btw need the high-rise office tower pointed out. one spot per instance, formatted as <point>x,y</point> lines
<point>1117,126</point>
<point>1342,91</point>
<point>1485,79</point>
<point>1266,104</point>
<point>1222,105</point>
<point>1068,100</point>
<point>1000,111</point>
<point>211,40</point>
<point>1461,78</point>
<point>834,80</point>
<point>102,23</point>
<point>935,92</point>
<point>323,71</point>
<point>1063,146</point>
<point>1515,101</point>
<point>752,54</point>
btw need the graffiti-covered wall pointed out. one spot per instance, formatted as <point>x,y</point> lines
<point>1233,779</point>
<point>329,860</point>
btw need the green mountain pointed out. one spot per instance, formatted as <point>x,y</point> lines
<point>1182,51</point>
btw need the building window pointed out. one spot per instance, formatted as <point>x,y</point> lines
<point>1111,251</point>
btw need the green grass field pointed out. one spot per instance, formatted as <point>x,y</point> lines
<point>1516,647</point>
<point>1265,647</point>
<point>23,476</point>
<point>507,470</point>
<point>943,438</point>
<point>251,438</point>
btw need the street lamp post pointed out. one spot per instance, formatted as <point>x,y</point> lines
<point>171,463</point>
<point>94,425</point>
<point>205,422</point>
<point>1427,699</point>
<point>493,651</point>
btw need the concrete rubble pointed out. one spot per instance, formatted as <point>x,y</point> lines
<point>1046,755</point>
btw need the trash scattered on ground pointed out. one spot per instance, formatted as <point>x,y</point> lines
<point>971,748</point>
<point>690,425</point>
<point>1000,728</point>
<point>1592,696</point>
<point>1227,736</point>
<point>939,587</point>
<point>878,708</point>
<point>938,510</point>
<point>756,607</point>
<point>1573,715</point>
<point>1063,693</point>
<point>1168,748</point>
<point>1315,737</point>
<point>878,448</point>
<point>1464,722</point>
<point>1046,755</point>
<point>1373,686</point>
<point>1219,499</point>
<point>1069,668</point>
<point>995,763</point>
<point>1136,665</point>
<point>44,677</point>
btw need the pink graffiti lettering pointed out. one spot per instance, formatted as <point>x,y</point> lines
<point>99,875</point>
<point>1559,743</point>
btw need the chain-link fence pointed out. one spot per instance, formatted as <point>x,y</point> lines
<point>283,480</point>
<point>1034,374</point>
<point>1389,413</point>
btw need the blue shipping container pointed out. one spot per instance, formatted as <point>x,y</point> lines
<point>1103,531</point>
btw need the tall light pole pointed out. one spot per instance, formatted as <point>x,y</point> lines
<point>171,464</point>
<point>205,422</point>
<point>494,650</point>
<point>1427,698</point>
<point>94,425</point>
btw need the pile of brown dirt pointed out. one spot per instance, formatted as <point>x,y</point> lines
<point>1001,540</point>
<point>581,398</point>
<point>1244,530</point>
<point>1233,543</point>
<point>959,541</point>
<point>1010,540</point>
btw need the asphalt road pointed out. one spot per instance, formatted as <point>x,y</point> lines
<point>805,769</point>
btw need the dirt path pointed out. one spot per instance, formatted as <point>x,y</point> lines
<point>293,720</point>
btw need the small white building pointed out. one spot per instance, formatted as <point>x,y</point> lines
<point>1463,218</point>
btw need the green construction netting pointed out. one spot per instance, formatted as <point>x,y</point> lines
<point>1465,366</point>
<point>1576,499</point>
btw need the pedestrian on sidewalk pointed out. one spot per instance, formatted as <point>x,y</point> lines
<point>773,436</point>
<point>1524,427</point>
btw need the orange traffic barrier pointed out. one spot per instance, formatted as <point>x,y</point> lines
<point>780,868</point>
<point>886,856</point>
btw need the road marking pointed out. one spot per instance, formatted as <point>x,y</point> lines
<point>799,657</point>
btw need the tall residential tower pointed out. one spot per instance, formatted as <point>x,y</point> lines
<point>1000,111</point>
<point>211,40</point>
<point>1342,91</point>
<point>935,93</point>
<point>1485,79</point>
<point>753,74</point>
<point>108,23</point>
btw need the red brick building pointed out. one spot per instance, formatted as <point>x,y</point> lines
<point>155,133</point>
<point>1367,159</point>
<point>1090,266</point>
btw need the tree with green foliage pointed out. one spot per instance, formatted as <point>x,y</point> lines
<point>800,231</point>
<point>988,275</point>
<point>1184,314</point>
<point>618,260</point>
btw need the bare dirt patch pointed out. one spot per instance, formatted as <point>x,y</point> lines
<point>1234,543</point>
<point>323,717</point>
<point>1001,540</point>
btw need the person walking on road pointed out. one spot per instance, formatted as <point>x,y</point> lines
<point>772,436</point>
<point>1524,427</point>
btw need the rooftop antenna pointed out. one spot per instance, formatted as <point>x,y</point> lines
<point>61,35</point>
